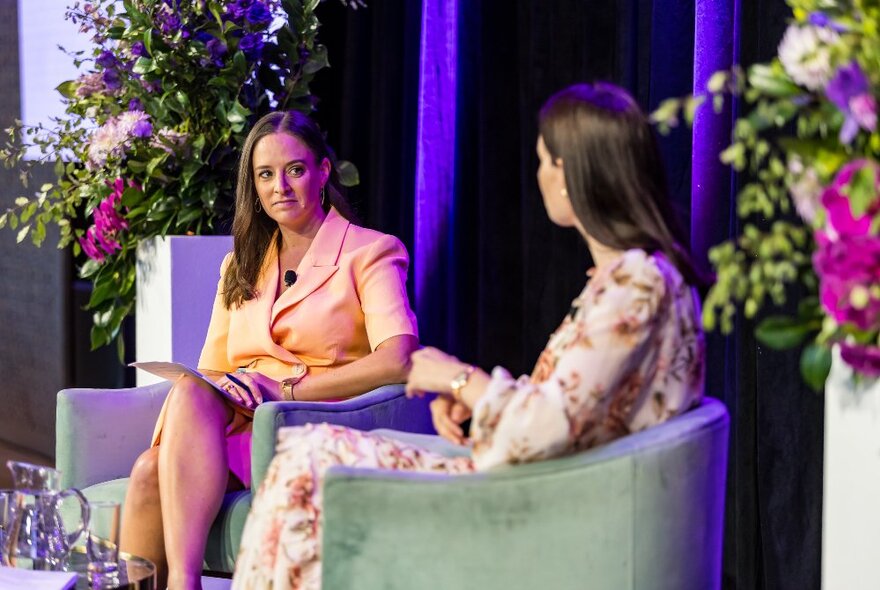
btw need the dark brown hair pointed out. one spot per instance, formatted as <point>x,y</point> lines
<point>252,231</point>
<point>614,174</point>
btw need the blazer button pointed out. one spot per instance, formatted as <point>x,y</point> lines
<point>298,370</point>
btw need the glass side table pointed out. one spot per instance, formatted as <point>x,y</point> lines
<point>135,573</point>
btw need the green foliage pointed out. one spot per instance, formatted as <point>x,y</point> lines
<point>788,146</point>
<point>192,80</point>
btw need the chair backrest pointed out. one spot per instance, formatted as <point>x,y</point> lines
<point>643,512</point>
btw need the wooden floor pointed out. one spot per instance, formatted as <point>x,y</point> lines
<point>10,452</point>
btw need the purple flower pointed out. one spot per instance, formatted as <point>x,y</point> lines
<point>138,49</point>
<point>864,359</point>
<point>106,59</point>
<point>258,14</point>
<point>235,11</point>
<point>217,49</point>
<point>111,79</point>
<point>151,86</point>
<point>169,22</point>
<point>849,90</point>
<point>820,19</point>
<point>252,45</point>
<point>135,104</point>
<point>142,129</point>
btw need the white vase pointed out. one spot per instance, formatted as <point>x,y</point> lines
<point>851,513</point>
<point>176,282</point>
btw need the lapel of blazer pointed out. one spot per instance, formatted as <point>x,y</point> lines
<point>259,309</point>
<point>319,264</point>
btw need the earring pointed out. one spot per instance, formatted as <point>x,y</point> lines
<point>323,196</point>
<point>257,205</point>
<point>563,192</point>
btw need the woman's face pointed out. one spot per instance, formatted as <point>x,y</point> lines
<point>288,181</point>
<point>551,181</point>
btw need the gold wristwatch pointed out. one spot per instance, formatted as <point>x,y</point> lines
<point>460,380</point>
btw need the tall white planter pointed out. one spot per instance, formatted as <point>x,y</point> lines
<point>176,283</point>
<point>851,514</point>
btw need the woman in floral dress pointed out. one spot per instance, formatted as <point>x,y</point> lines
<point>628,356</point>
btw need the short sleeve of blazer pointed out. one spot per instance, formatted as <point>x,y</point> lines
<point>382,290</point>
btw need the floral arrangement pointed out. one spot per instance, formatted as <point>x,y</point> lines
<point>809,147</point>
<point>152,129</point>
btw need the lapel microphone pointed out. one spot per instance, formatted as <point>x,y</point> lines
<point>289,278</point>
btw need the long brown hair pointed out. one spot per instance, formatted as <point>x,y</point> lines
<point>252,231</point>
<point>614,174</point>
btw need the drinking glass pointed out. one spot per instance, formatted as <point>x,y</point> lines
<point>102,543</point>
<point>7,522</point>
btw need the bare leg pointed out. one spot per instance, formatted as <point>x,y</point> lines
<point>193,476</point>
<point>141,533</point>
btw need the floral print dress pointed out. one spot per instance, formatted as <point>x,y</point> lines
<point>629,355</point>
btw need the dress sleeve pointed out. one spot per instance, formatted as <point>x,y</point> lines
<point>381,285</point>
<point>592,367</point>
<point>214,355</point>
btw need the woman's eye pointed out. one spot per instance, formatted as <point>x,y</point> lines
<point>264,174</point>
<point>295,171</point>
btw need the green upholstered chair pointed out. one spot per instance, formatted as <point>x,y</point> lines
<point>101,432</point>
<point>644,512</point>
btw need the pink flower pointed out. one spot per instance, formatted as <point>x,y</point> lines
<point>89,84</point>
<point>88,245</point>
<point>847,268</point>
<point>847,257</point>
<point>864,359</point>
<point>840,217</point>
<point>100,239</point>
<point>864,110</point>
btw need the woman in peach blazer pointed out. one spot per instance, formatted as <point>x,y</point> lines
<point>343,327</point>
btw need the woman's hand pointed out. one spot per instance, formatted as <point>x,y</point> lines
<point>251,388</point>
<point>432,372</point>
<point>447,416</point>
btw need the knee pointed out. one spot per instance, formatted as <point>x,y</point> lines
<point>191,396</point>
<point>144,481</point>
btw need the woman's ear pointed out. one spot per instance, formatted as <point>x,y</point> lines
<point>558,162</point>
<point>326,167</point>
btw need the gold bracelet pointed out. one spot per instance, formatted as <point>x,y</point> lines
<point>460,380</point>
<point>287,388</point>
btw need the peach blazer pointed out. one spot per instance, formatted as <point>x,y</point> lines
<point>349,297</point>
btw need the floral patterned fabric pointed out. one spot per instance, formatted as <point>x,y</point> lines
<point>629,355</point>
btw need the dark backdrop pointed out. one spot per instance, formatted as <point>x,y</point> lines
<point>515,274</point>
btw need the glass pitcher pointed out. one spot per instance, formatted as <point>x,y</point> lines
<point>37,538</point>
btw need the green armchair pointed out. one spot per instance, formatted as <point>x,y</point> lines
<point>100,433</point>
<point>644,512</point>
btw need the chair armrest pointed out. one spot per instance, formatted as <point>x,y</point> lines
<point>384,407</point>
<point>615,516</point>
<point>100,432</point>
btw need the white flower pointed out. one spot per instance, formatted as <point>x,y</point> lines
<point>806,55</point>
<point>114,137</point>
<point>169,140</point>
<point>805,189</point>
